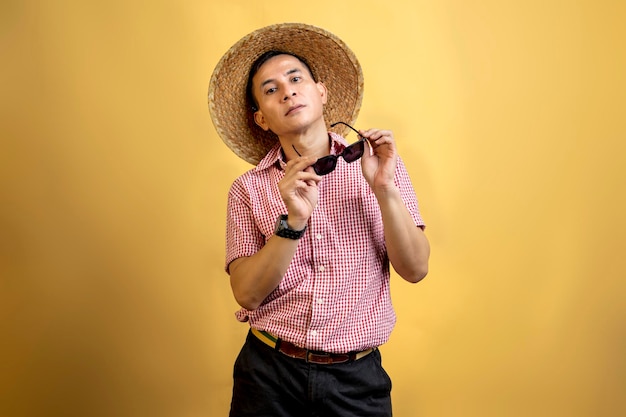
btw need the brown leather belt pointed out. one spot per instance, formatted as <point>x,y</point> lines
<point>311,356</point>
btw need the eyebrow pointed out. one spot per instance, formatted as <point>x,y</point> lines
<point>271,80</point>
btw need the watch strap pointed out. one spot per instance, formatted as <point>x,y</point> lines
<point>283,229</point>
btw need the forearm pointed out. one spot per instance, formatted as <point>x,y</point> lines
<point>407,246</point>
<point>253,278</point>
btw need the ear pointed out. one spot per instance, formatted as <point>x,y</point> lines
<point>259,119</point>
<point>323,92</point>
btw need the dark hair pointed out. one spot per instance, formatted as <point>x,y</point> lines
<point>258,63</point>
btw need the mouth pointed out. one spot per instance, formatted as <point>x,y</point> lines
<point>294,109</point>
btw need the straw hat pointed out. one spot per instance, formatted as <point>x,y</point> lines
<point>331,61</point>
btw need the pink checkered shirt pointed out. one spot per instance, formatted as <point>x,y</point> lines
<point>335,295</point>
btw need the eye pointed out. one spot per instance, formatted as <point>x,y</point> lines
<point>296,79</point>
<point>271,90</point>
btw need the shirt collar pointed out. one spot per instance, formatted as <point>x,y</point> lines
<point>276,156</point>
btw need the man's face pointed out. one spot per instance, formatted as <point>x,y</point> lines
<point>288,98</point>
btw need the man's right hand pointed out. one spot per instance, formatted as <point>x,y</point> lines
<point>299,191</point>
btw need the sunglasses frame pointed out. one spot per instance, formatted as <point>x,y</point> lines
<point>327,164</point>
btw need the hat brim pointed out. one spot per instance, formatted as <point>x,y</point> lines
<point>330,59</point>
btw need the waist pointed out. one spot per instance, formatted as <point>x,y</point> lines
<point>312,356</point>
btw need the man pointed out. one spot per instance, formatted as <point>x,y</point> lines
<point>311,232</point>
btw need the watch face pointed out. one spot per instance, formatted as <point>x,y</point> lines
<point>281,223</point>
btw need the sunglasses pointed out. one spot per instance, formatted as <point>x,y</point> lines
<point>327,164</point>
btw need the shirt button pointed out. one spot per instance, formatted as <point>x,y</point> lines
<point>320,301</point>
<point>322,268</point>
<point>313,332</point>
<point>318,236</point>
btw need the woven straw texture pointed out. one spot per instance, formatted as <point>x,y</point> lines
<point>331,61</point>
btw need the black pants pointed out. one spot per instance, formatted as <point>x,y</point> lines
<point>268,383</point>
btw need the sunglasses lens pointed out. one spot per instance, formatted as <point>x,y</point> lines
<point>354,151</point>
<point>325,165</point>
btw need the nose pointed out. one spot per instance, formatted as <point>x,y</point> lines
<point>292,94</point>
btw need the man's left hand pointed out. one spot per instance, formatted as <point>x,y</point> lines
<point>379,164</point>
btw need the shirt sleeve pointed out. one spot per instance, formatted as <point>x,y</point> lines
<point>403,181</point>
<point>243,237</point>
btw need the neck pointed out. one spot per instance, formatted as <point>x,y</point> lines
<point>310,142</point>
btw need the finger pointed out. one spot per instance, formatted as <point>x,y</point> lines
<point>311,177</point>
<point>298,164</point>
<point>308,176</point>
<point>311,171</point>
<point>304,183</point>
<point>376,133</point>
<point>380,141</point>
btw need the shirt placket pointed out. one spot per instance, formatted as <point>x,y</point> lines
<point>321,275</point>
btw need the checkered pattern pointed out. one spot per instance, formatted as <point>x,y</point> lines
<point>335,294</point>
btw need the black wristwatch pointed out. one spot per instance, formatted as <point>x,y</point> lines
<point>283,229</point>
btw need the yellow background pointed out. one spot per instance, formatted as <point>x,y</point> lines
<point>509,115</point>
